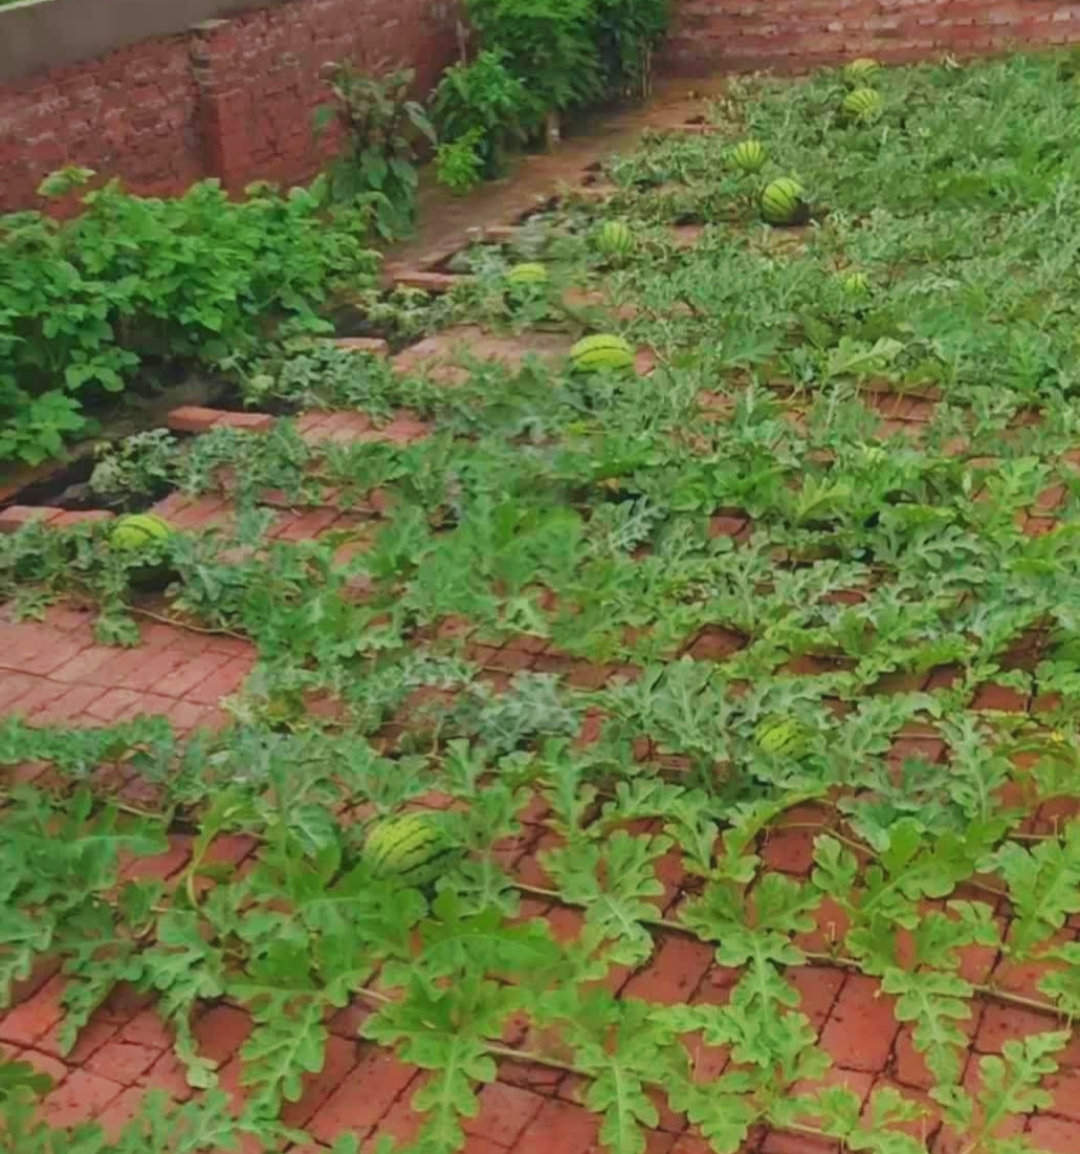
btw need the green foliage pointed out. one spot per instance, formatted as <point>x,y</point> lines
<point>383,130</point>
<point>547,44</point>
<point>459,166</point>
<point>131,281</point>
<point>483,107</point>
<point>753,719</point>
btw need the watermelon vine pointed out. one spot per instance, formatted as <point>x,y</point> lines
<point>766,660</point>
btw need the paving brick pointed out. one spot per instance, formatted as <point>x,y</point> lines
<point>168,1075</point>
<point>791,851</point>
<point>147,1028</point>
<point>373,346</point>
<point>818,987</point>
<point>1065,1089</point>
<point>91,1038</point>
<point>159,866</point>
<point>560,1126</point>
<point>363,1096</point>
<point>779,1142</point>
<point>861,1028</point>
<point>33,702</point>
<point>1000,1023</point>
<point>123,1062</point>
<point>45,654</point>
<point>14,517</point>
<point>474,1144</point>
<point>225,680</point>
<point>192,419</point>
<point>221,1031</point>
<point>505,1112</point>
<point>43,1063</point>
<point>35,1017</point>
<point>401,1122</point>
<point>69,705</point>
<point>193,674</point>
<point>80,1098</point>
<point>113,703</point>
<point>674,972</point>
<point>252,422</point>
<point>341,1057</point>
<point>71,517</point>
<point>121,1111</point>
<point>16,685</point>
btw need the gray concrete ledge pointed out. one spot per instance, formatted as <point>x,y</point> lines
<point>38,35</point>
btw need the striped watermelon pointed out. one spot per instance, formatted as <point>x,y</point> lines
<point>863,104</point>
<point>529,273</point>
<point>135,531</point>
<point>782,202</point>
<point>779,735</point>
<point>603,351</point>
<point>859,72</point>
<point>855,283</point>
<point>411,849</point>
<point>749,156</point>
<point>614,239</point>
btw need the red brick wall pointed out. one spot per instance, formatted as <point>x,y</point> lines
<point>743,34</point>
<point>232,99</point>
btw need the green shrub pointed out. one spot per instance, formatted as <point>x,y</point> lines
<point>627,31</point>
<point>487,103</point>
<point>459,164</point>
<point>383,131</point>
<point>549,44</point>
<point>85,302</point>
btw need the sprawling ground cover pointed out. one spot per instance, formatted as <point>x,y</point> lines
<point>739,690</point>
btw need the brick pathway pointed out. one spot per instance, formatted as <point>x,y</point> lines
<point>52,671</point>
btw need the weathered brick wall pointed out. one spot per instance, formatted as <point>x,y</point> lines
<point>232,98</point>
<point>797,34</point>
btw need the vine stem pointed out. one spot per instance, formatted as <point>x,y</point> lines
<point>531,1057</point>
<point>823,958</point>
<point>985,989</point>
<point>179,624</point>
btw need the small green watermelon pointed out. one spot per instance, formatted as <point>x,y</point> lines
<point>783,202</point>
<point>749,156</point>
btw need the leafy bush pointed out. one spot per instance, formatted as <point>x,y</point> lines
<point>383,130</point>
<point>485,103</point>
<point>549,44</point>
<point>459,165</point>
<point>85,302</point>
<point>626,32</point>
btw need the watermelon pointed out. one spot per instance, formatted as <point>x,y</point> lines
<point>411,849</point>
<point>863,104</point>
<point>779,735</point>
<point>529,273</point>
<point>614,239</point>
<point>782,202</point>
<point>135,531</point>
<point>859,72</point>
<point>855,283</point>
<point>603,351</point>
<point>749,156</point>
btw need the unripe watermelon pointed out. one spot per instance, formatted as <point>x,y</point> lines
<point>412,849</point>
<point>859,72</point>
<point>863,104</point>
<point>529,273</point>
<point>782,202</point>
<point>135,531</point>
<point>855,283</point>
<point>614,239</point>
<point>749,156</point>
<point>603,351</point>
<point>779,735</point>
